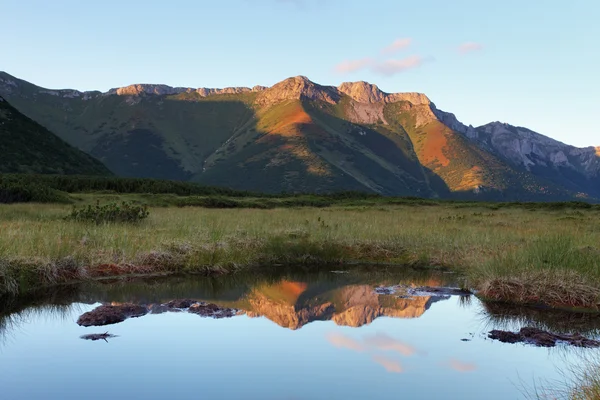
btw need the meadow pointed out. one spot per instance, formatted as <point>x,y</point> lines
<point>538,253</point>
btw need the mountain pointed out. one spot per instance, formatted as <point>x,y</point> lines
<point>575,169</point>
<point>27,147</point>
<point>299,136</point>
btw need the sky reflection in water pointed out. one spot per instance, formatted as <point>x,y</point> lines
<point>311,339</point>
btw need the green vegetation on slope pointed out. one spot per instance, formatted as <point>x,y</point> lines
<point>27,147</point>
<point>165,137</point>
<point>281,156</point>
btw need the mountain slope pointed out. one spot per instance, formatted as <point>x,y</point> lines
<point>299,136</point>
<point>27,147</point>
<point>299,145</point>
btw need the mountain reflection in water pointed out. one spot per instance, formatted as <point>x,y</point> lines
<point>353,305</point>
<point>403,343</point>
<point>291,300</point>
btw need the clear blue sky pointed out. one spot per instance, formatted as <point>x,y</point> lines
<point>529,63</point>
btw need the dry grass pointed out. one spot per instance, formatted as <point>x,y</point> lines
<point>588,387</point>
<point>581,382</point>
<point>504,251</point>
<point>557,288</point>
<point>552,270</point>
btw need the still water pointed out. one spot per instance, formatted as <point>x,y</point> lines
<point>312,335</point>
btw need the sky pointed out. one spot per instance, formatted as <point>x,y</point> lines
<point>528,63</point>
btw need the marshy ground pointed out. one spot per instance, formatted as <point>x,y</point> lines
<point>531,254</point>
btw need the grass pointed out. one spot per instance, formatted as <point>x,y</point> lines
<point>556,269</point>
<point>587,386</point>
<point>582,382</point>
<point>518,254</point>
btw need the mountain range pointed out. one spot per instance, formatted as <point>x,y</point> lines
<point>299,136</point>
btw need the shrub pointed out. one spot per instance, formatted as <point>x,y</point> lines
<point>25,193</point>
<point>126,212</point>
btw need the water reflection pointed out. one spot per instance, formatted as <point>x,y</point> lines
<point>512,318</point>
<point>461,366</point>
<point>389,364</point>
<point>408,346</point>
<point>294,304</point>
<point>293,299</point>
<point>290,299</point>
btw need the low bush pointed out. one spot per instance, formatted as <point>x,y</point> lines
<point>23,193</point>
<point>126,212</point>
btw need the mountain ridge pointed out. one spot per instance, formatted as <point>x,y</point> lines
<point>351,136</point>
<point>360,91</point>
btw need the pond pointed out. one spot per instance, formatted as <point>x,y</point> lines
<point>292,335</point>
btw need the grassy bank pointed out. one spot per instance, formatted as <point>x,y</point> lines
<point>530,255</point>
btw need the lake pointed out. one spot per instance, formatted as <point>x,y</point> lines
<point>295,335</point>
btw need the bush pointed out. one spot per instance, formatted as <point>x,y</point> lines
<point>25,193</point>
<point>126,212</point>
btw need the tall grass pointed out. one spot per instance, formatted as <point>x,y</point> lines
<point>554,270</point>
<point>36,243</point>
<point>581,381</point>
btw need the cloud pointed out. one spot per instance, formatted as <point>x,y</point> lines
<point>388,67</point>
<point>382,341</point>
<point>393,67</point>
<point>342,341</point>
<point>348,66</point>
<point>389,364</point>
<point>397,45</point>
<point>469,47</point>
<point>461,366</point>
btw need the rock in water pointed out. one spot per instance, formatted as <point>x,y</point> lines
<point>542,338</point>
<point>109,314</point>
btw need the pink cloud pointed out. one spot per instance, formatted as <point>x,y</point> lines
<point>397,45</point>
<point>348,66</point>
<point>461,366</point>
<point>341,341</point>
<point>382,341</point>
<point>389,364</point>
<point>393,67</point>
<point>469,47</point>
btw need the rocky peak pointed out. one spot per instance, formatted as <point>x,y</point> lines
<point>300,87</point>
<point>495,127</point>
<point>524,147</point>
<point>297,88</point>
<point>364,92</point>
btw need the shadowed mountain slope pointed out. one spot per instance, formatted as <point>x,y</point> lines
<point>27,147</point>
